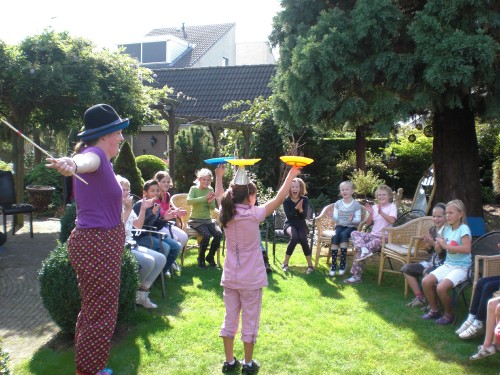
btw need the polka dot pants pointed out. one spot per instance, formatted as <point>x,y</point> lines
<point>95,254</point>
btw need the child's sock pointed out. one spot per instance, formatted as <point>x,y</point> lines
<point>471,317</point>
<point>477,323</point>
<point>343,261</point>
<point>334,258</point>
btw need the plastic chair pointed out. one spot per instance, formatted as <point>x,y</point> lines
<point>8,205</point>
<point>180,201</point>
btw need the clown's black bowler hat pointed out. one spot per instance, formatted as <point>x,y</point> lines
<point>101,119</point>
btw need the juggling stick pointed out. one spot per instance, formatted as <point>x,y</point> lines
<point>38,147</point>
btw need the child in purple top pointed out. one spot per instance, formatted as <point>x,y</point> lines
<point>244,274</point>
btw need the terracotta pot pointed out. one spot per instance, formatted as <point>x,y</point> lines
<point>39,196</point>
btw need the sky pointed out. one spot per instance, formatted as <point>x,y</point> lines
<point>111,22</point>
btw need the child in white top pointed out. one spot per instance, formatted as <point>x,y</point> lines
<point>347,216</point>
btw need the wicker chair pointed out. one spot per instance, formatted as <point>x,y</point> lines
<point>325,229</point>
<point>180,201</point>
<point>404,244</point>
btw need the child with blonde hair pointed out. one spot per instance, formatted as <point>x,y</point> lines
<point>201,197</point>
<point>455,238</point>
<point>382,215</point>
<point>347,216</point>
<point>295,207</point>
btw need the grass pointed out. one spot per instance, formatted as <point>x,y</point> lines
<point>310,324</point>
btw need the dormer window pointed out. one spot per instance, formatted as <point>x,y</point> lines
<point>166,50</point>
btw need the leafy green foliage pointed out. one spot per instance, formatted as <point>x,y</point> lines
<point>496,176</point>
<point>67,222</point>
<point>374,163</point>
<point>365,184</point>
<point>413,159</point>
<point>41,175</point>
<point>59,287</point>
<point>193,145</point>
<point>487,136</point>
<point>375,63</point>
<point>4,361</point>
<point>126,166</point>
<point>149,165</point>
<point>265,139</point>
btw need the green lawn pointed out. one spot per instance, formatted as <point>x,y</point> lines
<point>311,324</point>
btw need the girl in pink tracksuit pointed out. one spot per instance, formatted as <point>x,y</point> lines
<point>244,274</point>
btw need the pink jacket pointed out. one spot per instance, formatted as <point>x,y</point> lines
<point>244,264</point>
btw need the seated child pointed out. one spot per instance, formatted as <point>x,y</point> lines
<point>167,212</point>
<point>382,215</point>
<point>150,262</point>
<point>295,207</point>
<point>455,238</point>
<point>492,335</point>
<point>347,216</point>
<point>413,271</point>
<point>202,198</point>
<point>152,220</point>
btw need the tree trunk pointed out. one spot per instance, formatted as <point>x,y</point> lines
<point>361,148</point>
<point>455,156</point>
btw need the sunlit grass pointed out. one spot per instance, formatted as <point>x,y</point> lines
<point>310,324</point>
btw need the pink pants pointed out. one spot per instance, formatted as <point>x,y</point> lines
<point>96,256</point>
<point>249,303</point>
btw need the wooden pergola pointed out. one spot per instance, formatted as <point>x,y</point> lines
<point>167,109</point>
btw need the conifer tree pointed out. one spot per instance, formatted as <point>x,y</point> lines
<point>125,166</point>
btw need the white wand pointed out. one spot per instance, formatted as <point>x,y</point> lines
<point>38,147</point>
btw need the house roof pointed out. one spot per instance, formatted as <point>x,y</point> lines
<point>201,37</point>
<point>202,92</point>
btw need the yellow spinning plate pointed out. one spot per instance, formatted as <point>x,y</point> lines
<point>243,162</point>
<point>296,161</point>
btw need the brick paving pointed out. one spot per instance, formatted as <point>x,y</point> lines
<point>25,325</point>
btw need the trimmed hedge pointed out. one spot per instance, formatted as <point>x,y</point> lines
<point>149,165</point>
<point>59,288</point>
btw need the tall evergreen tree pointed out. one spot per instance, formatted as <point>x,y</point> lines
<point>376,62</point>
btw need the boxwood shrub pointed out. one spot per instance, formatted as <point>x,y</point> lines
<point>59,288</point>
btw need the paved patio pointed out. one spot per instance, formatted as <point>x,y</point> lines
<point>25,325</point>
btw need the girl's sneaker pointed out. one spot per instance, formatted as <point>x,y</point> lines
<point>472,332</point>
<point>332,271</point>
<point>106,371</point>
<point>353,280</point>
<point>250,368</point>
<point>227,367</point>
<point>417,302</point>
<point>341,271</point>
<point>284,267</point>
<point>464,326</point>
<point>142,298</point>
<point>310,269</point>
